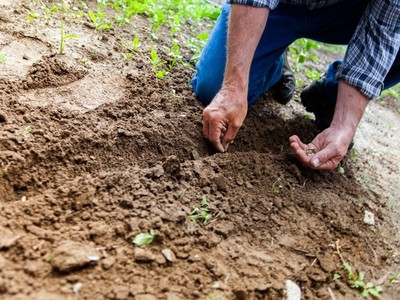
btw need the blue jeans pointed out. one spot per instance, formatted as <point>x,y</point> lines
<point>334,24</point>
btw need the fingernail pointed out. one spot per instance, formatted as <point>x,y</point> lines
<point>316,162</point>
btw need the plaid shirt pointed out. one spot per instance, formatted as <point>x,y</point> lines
<point>373,47</point>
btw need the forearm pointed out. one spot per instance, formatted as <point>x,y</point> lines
<point>350,107</point>
<point>246,25</point>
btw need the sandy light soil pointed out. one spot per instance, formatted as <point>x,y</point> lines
<point>95,149</point>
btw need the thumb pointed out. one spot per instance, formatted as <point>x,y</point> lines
<point>326,159</point>
<point>229,136</point>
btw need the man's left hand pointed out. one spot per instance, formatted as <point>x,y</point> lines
<point>326,150</point>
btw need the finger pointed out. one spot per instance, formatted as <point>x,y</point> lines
<point>326,159</point>
<point>229,136</point>
<point>297,144</point>
<point>215,134</point>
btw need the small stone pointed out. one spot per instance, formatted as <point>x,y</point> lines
<point>142,255</point>
<point>369,218</point>
<point>194,257</point>
<point>224,228</point>
<point>77,287</point>
<point>72,255</point>
<point>278,202</point>
<point>248,185</point>
<point>293,291</point>
<point>220,180</point>
<point>107,263</point>
<point>197,167</point>
<point>160,259</point>
<point>121,293</point>
<point>7,238</point>
<point>195,154</point>
<point>169,255</point>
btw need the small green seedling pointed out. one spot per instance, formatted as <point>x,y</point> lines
<point>144,238</point>
<point>161,73</point>
<point>394,278</point>
<point>336,276</point>
<point>277,186</point>
<point>340,170</point>
<point>309,117</point>
<point>64,37</point>
<point>3,59</point>
<point>135,44</point>
<point>32,16</point>
<point>350,274</point>
<point>99,20</point>
<point>155,60</point>
<point>128,56</point>
<point>367,288</point>
<point>202,213</point>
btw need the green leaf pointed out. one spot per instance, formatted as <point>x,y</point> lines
<point>144,238</point>
<point>70,36</point>
<point>93,17</point>
<point>3,59</point>
<point>394,278</point>
<point>336,276</point>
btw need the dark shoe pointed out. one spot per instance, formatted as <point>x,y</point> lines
<point>316,100</point>
<point>283,90</point>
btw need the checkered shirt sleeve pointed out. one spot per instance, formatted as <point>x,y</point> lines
<point>373,48</point>
<point>258,3</point>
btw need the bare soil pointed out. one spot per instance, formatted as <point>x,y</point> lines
<point>95,149</point>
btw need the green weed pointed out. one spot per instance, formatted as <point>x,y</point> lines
<point>64,37</point>
<point>300,51</point>
<point>340,169</point>
<point>144,238</point>
<point>366,289</point>
<point>157,64</point>
<point>202,213</point>
<point>135,44</point>
<point>3,58</point>
<point>99,19</point>
<point>277,186</point>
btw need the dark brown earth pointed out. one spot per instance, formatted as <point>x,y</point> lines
<point>94,150</point>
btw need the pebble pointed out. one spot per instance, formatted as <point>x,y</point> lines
<point>107,263</point>
<point>293,291</point>
<point>195,154</point>
<point>169,255</point>
<point>72,255</point>
<point>77,287</point>
<point>142,255</point>
<point>7,238</point>
<point>369,218</point>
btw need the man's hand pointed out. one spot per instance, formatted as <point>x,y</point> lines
<point>223,118</point>
<point>331,145</point>
<point>325,151</point>
<point>227,111</point>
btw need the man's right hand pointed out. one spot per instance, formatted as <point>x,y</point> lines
<point>223,117</point>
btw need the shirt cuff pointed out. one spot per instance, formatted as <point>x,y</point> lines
<point>358,78</point>
<point>271,4</point>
